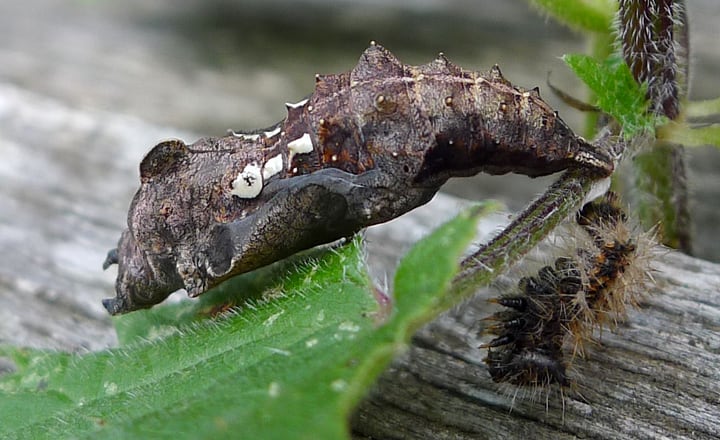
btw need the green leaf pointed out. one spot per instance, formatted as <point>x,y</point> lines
<point>430,267</point>
<point>290,361</point>
<point>587,15</point>
<point>616,91</point>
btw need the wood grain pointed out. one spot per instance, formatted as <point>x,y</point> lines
<point>657,376</point>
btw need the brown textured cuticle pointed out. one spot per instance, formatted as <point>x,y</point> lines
<point>365,147</point>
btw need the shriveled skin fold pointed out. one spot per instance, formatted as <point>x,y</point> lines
<point>365,147</point>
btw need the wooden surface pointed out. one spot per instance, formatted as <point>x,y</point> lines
<point>656,377</point>
<point>67,180</point>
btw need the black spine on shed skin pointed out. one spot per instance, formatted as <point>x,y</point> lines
<point>563,304</point>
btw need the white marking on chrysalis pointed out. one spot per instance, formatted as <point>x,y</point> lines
<point>250,137</point>
<point>272,133</point>
<point>272,167</point>
<point>597,189</point>
<point>349,327</point>
<point>297,104</point>
<point>248,183</point>
<point>279,351</point>
<point>301,145</point>
<point>586,158</point>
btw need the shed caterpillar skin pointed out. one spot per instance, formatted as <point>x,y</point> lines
<point>616,274</point>
<point>365,147</point>
<point>564,303</point>
<point>530,336</point>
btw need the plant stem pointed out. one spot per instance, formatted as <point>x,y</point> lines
<point>600,46</point>
<point>654,39</point>
<point>660,177</point>
<point>562,199</point>
<point>689,136</point>
<point>703,109</point>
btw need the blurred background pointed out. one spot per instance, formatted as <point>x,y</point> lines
<point>205,66</point>
<point>88,86</point>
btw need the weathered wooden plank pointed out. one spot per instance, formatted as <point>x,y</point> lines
<point>657,376</point>
<point>67,178</point>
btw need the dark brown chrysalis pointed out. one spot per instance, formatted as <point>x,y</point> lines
<point>365,147</point>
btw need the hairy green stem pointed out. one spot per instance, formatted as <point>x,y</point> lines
<point>647,35</point>
<point>660,177</point>
<point>654,38</point>
<point>535,223</point>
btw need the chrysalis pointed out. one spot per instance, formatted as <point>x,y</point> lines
<point>365,147</point>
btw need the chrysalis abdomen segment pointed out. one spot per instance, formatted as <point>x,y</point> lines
<point>435,121</point>
<point>485,124</point>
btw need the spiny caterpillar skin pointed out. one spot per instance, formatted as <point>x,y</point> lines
<point>365,147</point>
<point>530,336</point>
<point>616,273</point>
<point>564,303</point>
